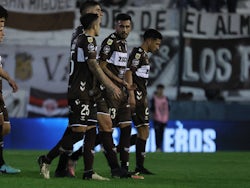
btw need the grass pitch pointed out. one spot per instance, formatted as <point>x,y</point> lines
<point>173,170</point>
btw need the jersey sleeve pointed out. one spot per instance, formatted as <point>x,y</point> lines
<point>106,49</point>
<point>134,60</point>
<point>87,49</point>
<point>77,31</point>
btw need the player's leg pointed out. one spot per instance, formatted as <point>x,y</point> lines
<point>105,123</point>
<point>77,128</point>
<point>105,132</point>
<point>88,152</point>
<point>65,148</point>
<point>157,127</point>
<point>4,168</point>
<point>133,138</point>
<point>88,146</point>
<point>1,146</point>
<point>45,160</point>
<point>161,136</point>
<point>124,122</point>
<point>124,145</point>
<point>142,135</point>
<point>61,169</point>
<point>141,121</point>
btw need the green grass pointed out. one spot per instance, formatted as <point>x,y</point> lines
<point>173,170</point>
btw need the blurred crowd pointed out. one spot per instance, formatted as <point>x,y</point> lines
<point>208,5</point>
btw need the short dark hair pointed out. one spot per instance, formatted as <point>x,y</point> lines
<point>86,5</point>
<point>88,19</point>
<point>160,86</point>
<point>122,17</point>
<point>3,12</point>
<point>152,33</point>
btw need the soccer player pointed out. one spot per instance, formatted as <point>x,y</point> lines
<point>66,165</point>
<point>87,7</point>
<point>110,112</point>
<point>138,73</point>
<point>83,69</point>
<point>63,169</point>
<point>4,119</point>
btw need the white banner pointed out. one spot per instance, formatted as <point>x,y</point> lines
<point>38,6</point>
<point>40,15</point>
<point>157,17</point>
<point>216,25</point>
<point>39,67</point>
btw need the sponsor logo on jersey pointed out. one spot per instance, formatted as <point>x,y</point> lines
<point>137,56</point>
<point>90,39</point>
<point>110,41</point>
<point>135,62</point>
<point>91,47</point>
<point>122,59</point>
<point>106,49</point>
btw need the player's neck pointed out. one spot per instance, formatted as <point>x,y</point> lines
<point>90,32</point>
<point>144,47</point>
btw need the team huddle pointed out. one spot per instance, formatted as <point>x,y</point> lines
<point>108,88</point>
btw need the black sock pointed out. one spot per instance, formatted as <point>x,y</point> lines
<point>108,144</point>
<point>1,156</point>
<point>69,140</point>
<point>133,139</point>
<point>62,163</point>
<point>97,140</point>
<point>88,151</point>
<point>1,147</point>
<point>55,152</point>
<point>140,152</point>
<point>76,155</point>
<point>124,145</point>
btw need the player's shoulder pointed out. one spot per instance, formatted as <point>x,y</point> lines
<point>137,52</point>
<point>110,40</point>
<point>77,31</point>
<point>87,38</point>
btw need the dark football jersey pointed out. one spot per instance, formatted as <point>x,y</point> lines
<point>77,31</point>
<point>138,63</point>
<point>1,65</point>
<point>80,76</point>
<point>114,51</point>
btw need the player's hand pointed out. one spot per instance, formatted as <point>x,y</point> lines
<point>129,86</point>
<point>116,92</point>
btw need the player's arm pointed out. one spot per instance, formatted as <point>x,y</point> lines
<point>129,80</point>
<point>105,53</point>
<point>101,76</point>
<point>6,76</point>
<point>113,77</point>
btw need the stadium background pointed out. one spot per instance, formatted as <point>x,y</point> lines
<point>36,52</point>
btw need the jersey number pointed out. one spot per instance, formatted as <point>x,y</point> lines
<point>71,68</point>
<point>85,110</point>
<point>112,112</point>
